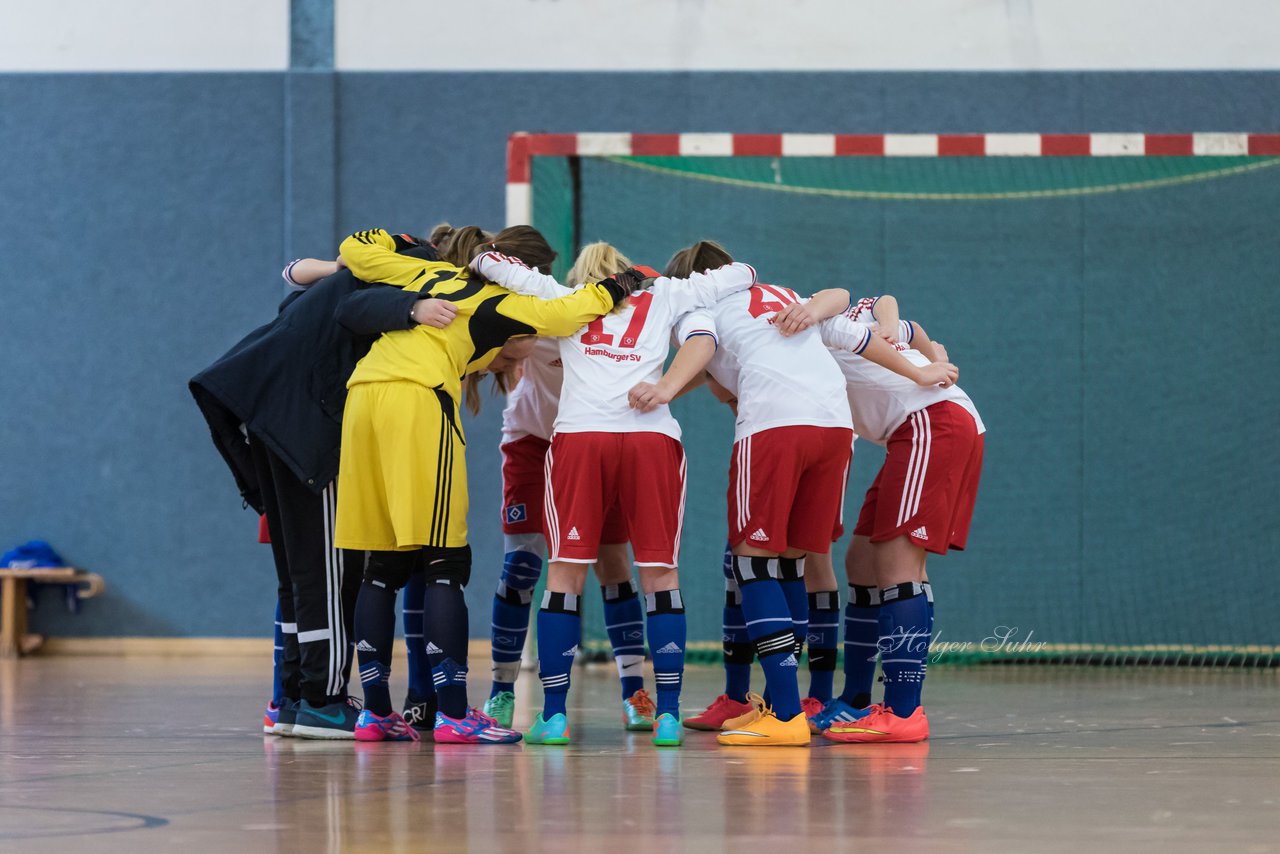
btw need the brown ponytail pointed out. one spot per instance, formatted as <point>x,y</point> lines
<point>698,258</point>
<point>520,241</point>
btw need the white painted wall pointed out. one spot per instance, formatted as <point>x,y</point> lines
<point>808,34</point>
<point>144,35</point>
<point>659,35</point>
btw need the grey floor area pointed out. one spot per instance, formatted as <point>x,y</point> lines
<point>151,754</point>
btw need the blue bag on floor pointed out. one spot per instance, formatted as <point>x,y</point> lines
<point>36,553</point>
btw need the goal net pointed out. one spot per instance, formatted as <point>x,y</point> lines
<point>1109,299</point>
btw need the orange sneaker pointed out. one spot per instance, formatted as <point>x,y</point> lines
<point>721,709</point>
<point>756,707</point>
<point>882,726</point>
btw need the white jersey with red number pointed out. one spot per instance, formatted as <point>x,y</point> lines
<point>882,400</point>
<point>533,403</point>
<point>606,358</point>
<point>779,381</point>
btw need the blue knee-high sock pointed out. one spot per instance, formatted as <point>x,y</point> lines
<point>928,594</point>
<point>559,633</point>
<point>624,621</point>
<point>824,633</point>
<point>375,630</point>
<point>861,644</point>
<point>738,650</point>
<point>445,624</point>
<point>420,684</point>
<point>277,687</point>
<point>510,626</point>
<point>769,621</point>
<point>791,578</point>
<point>667,637</point>
<point>904,645</point>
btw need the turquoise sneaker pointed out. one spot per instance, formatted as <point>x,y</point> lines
<point>637,712</point>
<point>554,731</point>
<point>836,711</point>
<point>667,731</point>
<point>501,707</point>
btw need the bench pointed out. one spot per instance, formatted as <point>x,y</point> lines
<point>14,640</point>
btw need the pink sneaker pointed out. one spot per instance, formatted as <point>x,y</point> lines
<point>371,727</point>
<point>475,728</point>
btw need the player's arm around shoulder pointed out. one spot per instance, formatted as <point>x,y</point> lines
<point>703,290</point>
<point>374,257</point>
<point>799,316</point>
<point>516,276</point>
<point>562,316</point>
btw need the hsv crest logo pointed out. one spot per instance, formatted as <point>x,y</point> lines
<point>505,640</point>
<point>515,513</point>
<point>633,634</point>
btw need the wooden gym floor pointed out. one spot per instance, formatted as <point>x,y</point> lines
<point>163,754</point>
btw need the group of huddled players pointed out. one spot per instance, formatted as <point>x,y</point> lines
<point>373,355</point>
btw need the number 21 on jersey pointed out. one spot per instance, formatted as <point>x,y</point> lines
<point>595,333</point>
<point>769,299</point>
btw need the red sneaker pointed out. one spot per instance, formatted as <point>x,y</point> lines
<point>721,709</point>
<point>810,706</point>
<point>882,726</point>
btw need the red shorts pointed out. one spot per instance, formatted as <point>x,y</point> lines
<point>786,488</point>
<point>929,481</point>
<point>524,486</point>
<point>638,476</point>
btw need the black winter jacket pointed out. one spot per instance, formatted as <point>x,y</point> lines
<point>286,382</point>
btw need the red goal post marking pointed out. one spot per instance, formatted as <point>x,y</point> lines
<point>523,147</point>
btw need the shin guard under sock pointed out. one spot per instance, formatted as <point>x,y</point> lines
<point>559,634</point>
<point>445,624</point>
<point>904,645</point>
<point>824,633</point>
<point>375,629</point>
<point>510,624</point>
<point>667,637</point>
<point>420,681</point>
<point>624,621</point>
<point>861,644</point>
<point>769,622</point>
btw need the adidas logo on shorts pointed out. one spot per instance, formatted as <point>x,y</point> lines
<point>760,536</point>
<point>365,646</point>
<point>789,661</point>
<point>573,533</point>
<point>920,533</point>
<point>432,648</point>
<point>671,647</point>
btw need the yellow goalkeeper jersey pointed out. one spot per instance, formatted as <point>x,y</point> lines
<point>488,315</point>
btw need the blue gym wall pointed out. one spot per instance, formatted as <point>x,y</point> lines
<point>145,218</point>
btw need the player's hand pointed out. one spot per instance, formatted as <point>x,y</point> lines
<point>888,333</point>
<point>647,397</point>
<point>941,351</point>
<point>942,374</point>
<point>434,312</point>
<point>342,265</point>
<point>796,317</point>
